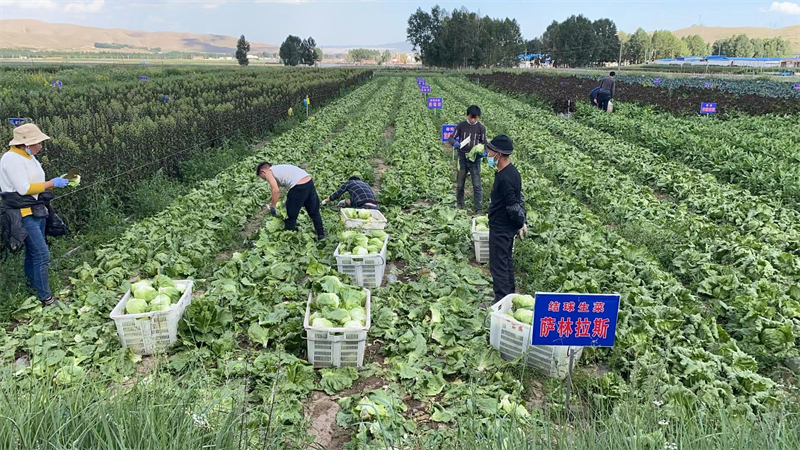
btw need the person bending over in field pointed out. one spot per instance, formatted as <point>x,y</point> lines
<point>361,195</point>
<point>302,193</point>
<point>469,133</point>
<point>593,96</point>
<point>606,92</point>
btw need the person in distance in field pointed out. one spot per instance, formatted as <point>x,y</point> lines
<point>593,96</point>
<point>361,195</point>
<point>606,92</point>
<point>302,194</point>
<point>25,210</point>
<point>470,133</point>
<point>506,215</point>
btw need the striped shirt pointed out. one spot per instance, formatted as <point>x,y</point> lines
<point>360,193</point>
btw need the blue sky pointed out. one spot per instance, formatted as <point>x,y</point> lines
<point>365,22</point>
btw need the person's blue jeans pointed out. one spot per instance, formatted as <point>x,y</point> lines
<point>37,256</point>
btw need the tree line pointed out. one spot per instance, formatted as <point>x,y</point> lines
<point>642,46</point>
<point>578,41</point>
<point>294,51</point>
<point>464,39</point>
<point>366,54</point>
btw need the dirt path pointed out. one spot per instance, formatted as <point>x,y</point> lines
<point>387,138</point>
<point>321,412</point>
<point>380,167</point>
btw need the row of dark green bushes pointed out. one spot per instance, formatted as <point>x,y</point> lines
<point>118,129</point>
<point>562,92</point>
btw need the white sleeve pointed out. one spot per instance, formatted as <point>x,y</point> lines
<point>15,175</point>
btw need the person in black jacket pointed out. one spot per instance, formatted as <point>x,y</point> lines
<point>506,215</point>
<point>470,133</point>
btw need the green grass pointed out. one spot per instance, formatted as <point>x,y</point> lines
<point>155,413</point>
<point>163,412</point>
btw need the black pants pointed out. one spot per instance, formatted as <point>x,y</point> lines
<point>501,244</point>
<point>474,169</point>
<point>304,195</point>
<point>602,100</point>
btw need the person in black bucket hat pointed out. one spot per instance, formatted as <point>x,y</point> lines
<point>506,215</point>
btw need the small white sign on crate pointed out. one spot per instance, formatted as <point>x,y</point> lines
<point>481,239</point>
<point>366,270</point>
<point>336,347</point>
<point>513,339</point>
<point>151,332</point>
<point>376,221</point>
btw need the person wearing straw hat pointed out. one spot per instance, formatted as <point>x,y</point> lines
<point>506,215</point>
<point>25,208</point>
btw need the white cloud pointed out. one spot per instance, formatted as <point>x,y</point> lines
<point>30,4</point>
<point>212,5</point>
<point>85,7</point>
<point>784,8</point>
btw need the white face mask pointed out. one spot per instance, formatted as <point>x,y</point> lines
<point>28,150</point>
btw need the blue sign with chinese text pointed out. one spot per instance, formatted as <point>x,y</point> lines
<point>425,89</point>
<point>797,86</point>
<point>57,84</point>
<point>447,130</point>
<point>435,103</point>
<point>579,320</point>
<point>708,108</point>
<point>656,80</point>
<point>708,84</point>
<point>16,121</point>
<point>144,78</point>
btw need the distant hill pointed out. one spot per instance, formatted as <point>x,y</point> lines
<point>39,35</point>
<point>711,34</point>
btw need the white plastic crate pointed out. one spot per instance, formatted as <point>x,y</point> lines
<point>377,221</point>
<point>336,347</point>
<point>513,338</point>
<point>481,239</point>
<point>154,331</point>
<point>366,270</point>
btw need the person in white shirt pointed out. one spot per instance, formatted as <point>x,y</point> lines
<point>302,194</point>
<point>23,212</point>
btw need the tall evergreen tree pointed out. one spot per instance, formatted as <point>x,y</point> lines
<point>308,51</point>
<point>242,47</point>
<point>290,52</point>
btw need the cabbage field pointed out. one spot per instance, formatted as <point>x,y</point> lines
<point>694,221</point>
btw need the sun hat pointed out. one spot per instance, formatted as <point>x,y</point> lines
<point>501,144</point>
<point>28,134</point>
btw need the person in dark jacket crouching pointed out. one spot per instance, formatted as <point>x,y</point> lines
<point>25,210</point>
<point>506,215</point>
